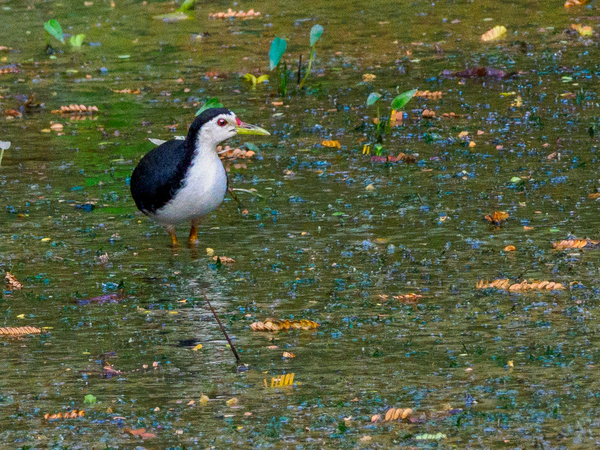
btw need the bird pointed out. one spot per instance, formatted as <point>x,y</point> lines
<point>184,180</point>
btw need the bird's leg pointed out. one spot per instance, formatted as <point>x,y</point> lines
<point>171,231</point>
<point>194,232</point>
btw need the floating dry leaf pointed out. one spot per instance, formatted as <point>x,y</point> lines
<point>570,3</point>
<point>403,157</point>
<point>251,14</point>
<point>141,432</point>
<point>595,195</point>
<point>283,380</point>
<point>504,284</point>
<point>234,153</point>
<point>127,91</point>
<point>436,95</point>
<point>12,113</point>
<point>19,331</point>
<point>368,77</point>
<point>204,400</point>
<point>284,325</point>
<point>497,218</point>
<point>224,259</point>
<point>509,248</point>
<point>68,415</point>
<point>288,355</point>
<point>408,298</point>
<point>75,109</point>
<point>393,414</point>
<point>495,33</point>
<point>428,114</point>
<point>232,402</point>
<point>582,30</point>
<point>332,144</point>
<point>576,243</point>
<point>12,281</point>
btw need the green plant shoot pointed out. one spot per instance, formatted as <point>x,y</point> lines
<point>399,102</point>
<point>371,100</point>
<point>210,103</point>
<point>254,80</point>
<point>76,41</point>
<point>54,29</point>
<point>277,50</point>
<point>315,33</point>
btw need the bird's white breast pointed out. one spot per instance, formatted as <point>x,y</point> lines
<point>203,190</point>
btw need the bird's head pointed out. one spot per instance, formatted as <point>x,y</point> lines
<point>215,125</point>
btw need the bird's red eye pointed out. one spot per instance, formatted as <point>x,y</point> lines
<point>221,122</point>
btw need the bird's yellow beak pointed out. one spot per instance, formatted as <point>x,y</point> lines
<point>246,128</point>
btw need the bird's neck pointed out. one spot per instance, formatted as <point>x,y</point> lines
<point>200,148</point>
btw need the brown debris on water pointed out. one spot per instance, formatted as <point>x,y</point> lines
<point>12,281</point>
<point>68,415</point>
<point>19,331</point>
<point>284,325</point>
<point>504,284</point>
<point>75,109</point>
<point>251,14</point>
<point>497,217</point>
<point>576,244</point>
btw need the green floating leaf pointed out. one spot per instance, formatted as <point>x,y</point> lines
<point>124,56</point>
<point>77,41</point>
<point>278,47</point>
<point>402,99</point>
<point>186,5</point>
<point>210,103</point>
<point>54,29</point>
<point>176,16</point>
<point>251,146</point>
<point>515,180</point>
<point>430,437</point>
<point>373,97</point>
<point>315,34</point>
<point>89,399</point>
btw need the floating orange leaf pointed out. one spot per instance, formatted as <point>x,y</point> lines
<point>504,284</point>
<point>497,218</point>
<point>234,153</point>
<point>251,14</point>
<point>332,144</point>
<point>509,248</point>
<point>12,281</point>
<point>595,195</point>
<point>408,159</point>
<point>75,109</point>
<point>582,30</point>
<point>141,432</point>
<point>288,355</point>
<point>127,91</point>
<point>12,113</point>
<point>408,298</point>
<point>575,243</point>
<point>495,33</point>
<point>18,331</point>
<point>68,415</point>
<point>428,114</point>
<point>429,95</point>
<point>393,414</point>
<point>284,325</point>
<point>570,3</point>
<point>224,259</point>
<point>368,77</point>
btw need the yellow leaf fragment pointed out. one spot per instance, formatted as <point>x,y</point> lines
<point>197,347</point>
<point>17,331</point>
<point>509,248</point>
<point>232,402</point>
<point>575,243</point>
<point>570,3</point>
<point>495,33</point>
<point>583,30</point>
<point>497,218</point>
<point>332,144</point>
<point>368,77</point>
<point>204,400</point>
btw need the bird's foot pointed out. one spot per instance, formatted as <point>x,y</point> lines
<point>193,239</point>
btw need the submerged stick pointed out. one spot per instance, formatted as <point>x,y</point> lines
<point>235,198</point>
<point>300,69</point>
<point>237,358</point>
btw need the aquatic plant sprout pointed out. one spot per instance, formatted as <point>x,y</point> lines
<point>315,33</point>
<point>277,50</point>
<point>55,30</point>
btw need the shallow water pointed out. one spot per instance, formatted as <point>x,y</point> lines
<point>315,244</point>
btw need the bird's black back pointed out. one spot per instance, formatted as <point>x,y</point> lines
<point>159,175</point>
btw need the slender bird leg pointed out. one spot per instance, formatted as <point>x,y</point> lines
<point>193,240</point>
<point>171,231</point>
<point>235,197</point>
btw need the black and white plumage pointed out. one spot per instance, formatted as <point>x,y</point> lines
<point>183,180</point>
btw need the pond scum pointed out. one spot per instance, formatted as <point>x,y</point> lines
<point>421,227</point>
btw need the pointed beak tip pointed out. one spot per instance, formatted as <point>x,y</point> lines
<point>246,128</point>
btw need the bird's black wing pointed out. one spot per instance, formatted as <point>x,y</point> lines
<point>159,175</point>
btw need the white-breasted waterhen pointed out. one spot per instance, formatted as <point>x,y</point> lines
<point>183,180</point>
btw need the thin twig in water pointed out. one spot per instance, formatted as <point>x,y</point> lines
<point>300,69</point>
<point>248,191</point>
<point>235,198</point>
<point>237,358</point>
